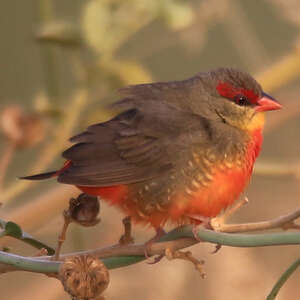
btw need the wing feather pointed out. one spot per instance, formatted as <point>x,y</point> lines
<point>141,143</point>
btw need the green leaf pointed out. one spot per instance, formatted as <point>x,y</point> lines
<point>14,230</point>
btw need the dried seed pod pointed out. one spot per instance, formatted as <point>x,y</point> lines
<point>84,210</point>
<point>23,129</point>
<point>84,277</point>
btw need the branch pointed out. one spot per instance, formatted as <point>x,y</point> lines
<point>120,256</point>
<point>284,222</point>
<point>6,158</point>
<point>14,230</point>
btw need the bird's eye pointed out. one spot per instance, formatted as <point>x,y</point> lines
<point>241,100</point>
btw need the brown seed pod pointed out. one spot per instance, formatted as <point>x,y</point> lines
<point>23,129</point>
<point>84,210</point>
<point>84,277</point>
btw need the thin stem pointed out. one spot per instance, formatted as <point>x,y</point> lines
<point>249,240</point>
<point>283,278</point>
<point>11,262</point>
<point>45,15</point>
<point>5,160</point>
<point>278,222</point>
<point>179,238</point>
<point>62,236</point>
<point>28,263</point>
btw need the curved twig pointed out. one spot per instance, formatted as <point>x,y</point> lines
<point>283,278</point>
<point>119,256</point>
<point>279,222</point>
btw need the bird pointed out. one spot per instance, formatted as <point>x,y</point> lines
<point>176,152</point>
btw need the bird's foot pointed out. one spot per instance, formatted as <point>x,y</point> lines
<point>203,222</point>
<point>218,247</point>
<point>186,255</point>
<point>159,233</point>
<point>199,222</point>
<point>126,238</point>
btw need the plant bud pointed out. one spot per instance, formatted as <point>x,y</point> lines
<point>84,277</point>
<point>84,210</point>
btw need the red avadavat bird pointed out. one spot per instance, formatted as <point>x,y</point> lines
<point>179,149</point>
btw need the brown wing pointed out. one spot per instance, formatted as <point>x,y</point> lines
<point>138,144</point>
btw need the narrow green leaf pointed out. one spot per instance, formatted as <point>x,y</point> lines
<point>283,278</point>
<point>14,230</point>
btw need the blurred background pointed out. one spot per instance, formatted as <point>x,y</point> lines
<point>61,63</point>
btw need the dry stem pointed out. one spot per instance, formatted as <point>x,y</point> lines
<point>6,158</point>
<point>159,248</point>
<point>282,222</point>
<point>62,236</point>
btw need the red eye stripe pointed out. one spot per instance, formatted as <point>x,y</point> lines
<point>228,91</point>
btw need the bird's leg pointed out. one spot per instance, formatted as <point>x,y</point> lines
<point>159,233</point>
<point>126,238</point>
<point>199,221</point>
<point>203,222</point>
<point>186,255</point>
<point>217,222</point>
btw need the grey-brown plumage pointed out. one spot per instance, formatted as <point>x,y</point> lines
<point>160,124</point>
<point>178,148</point>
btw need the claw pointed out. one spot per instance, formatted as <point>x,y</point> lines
<point>200,222</point>
<point>186,255</point>
<point>218,247</point>
<point>159,233</point>
<point>156,260</point>
<point>195,230</point>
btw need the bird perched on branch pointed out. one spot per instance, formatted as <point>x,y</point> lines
<point>177,152</point>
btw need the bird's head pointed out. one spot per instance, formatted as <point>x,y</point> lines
<point>238,99</point>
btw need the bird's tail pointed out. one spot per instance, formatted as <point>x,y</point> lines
<point>41,176</point>
<point>48,175</point>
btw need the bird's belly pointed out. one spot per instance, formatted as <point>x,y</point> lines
<point>145,206</point>
<point>222,191</point>
<point>208,201</point>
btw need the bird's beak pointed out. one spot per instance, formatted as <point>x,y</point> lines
<point>266,102</point>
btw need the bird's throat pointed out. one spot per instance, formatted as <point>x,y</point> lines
<point>257,122</point>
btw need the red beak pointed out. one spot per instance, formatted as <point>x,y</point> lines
<point>266,102</point>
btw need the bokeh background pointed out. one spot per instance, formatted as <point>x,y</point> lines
<point>61,62</point>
